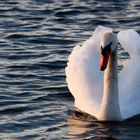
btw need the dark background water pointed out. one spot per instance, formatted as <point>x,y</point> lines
<point>36,37</point>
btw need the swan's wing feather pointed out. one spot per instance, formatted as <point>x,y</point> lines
<point>130,41</point>
<point>129,77</point>
<point>84,79</point>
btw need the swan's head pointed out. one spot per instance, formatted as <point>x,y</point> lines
<point>108,44</point>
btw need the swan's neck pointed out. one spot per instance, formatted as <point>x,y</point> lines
<point>110,109</point>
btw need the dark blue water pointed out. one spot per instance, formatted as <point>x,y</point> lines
<point>36,37</point>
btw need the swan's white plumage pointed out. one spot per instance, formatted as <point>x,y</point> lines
<point>85,80</point>
<point>129,77</point>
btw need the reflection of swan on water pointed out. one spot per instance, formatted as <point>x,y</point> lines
<point>108,96</point>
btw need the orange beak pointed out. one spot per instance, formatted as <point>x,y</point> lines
<point>104,60</point>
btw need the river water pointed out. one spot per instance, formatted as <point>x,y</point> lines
<point>36,37</point>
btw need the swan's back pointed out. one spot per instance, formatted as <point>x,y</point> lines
<point>84,79</point>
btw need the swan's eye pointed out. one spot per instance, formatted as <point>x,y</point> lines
<point>106,48</point>
<point>101,48</point>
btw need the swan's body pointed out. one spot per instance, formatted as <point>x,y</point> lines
<point>114,97</point>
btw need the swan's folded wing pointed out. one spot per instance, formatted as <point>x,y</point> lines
<point>129,77</point>
<point>84,78</point>
<point>130,41</point>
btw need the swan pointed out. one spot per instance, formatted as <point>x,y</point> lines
<point>93,78</point>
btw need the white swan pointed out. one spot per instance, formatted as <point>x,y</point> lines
<point>108,95</point>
